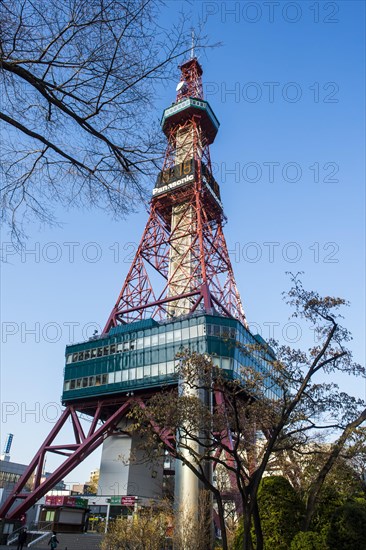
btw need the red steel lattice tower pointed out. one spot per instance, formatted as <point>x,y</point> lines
<point>182,263</point>
<point>181,267</point>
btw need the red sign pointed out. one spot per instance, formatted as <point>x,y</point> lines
<point>128,501</point>
<point>53,500</point>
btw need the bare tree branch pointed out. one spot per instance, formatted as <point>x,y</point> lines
<point>81,78</point>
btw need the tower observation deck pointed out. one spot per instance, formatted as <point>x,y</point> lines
<point>179,293</point>
<point>141,355</point>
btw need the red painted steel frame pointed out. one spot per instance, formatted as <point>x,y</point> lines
<point>85,443</point>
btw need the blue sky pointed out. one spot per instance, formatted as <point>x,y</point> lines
<point>288,87</point>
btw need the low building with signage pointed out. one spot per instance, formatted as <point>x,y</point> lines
<point>65,514</point>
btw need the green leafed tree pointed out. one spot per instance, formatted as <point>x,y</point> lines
<point>308,540</point>
<point>348,527</point>
<point>281,512</point>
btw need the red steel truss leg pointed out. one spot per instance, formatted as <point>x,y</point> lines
<point>75,452</point>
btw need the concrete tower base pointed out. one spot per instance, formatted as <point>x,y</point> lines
<point>124,470</point>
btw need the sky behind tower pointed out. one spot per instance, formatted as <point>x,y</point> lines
<point>288,86</point>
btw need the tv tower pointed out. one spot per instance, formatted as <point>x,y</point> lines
<point>180,291</point>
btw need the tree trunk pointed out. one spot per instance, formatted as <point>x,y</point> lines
<point>247,537</point>
<point>220,510</point>
<point>257,527</point>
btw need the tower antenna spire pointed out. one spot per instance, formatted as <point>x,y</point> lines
<point>192,46</point>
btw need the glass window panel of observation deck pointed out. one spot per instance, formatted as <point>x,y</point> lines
<point>177,335</point>
<point>193,331</point>
<point>162,369</point>
<point>170,367</point>
<point>170,353</point>
<point>162,354</point>
<point>193,346</point>
<point>202,346</point>
<point>133,344</point>
<point>201,330</point>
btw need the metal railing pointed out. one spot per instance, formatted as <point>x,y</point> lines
<point>35,534</point>
<point>13,536</point>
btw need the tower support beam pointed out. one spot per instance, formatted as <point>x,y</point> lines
<point>78,452</point>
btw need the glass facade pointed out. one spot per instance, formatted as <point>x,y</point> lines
<point>143,355</point>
